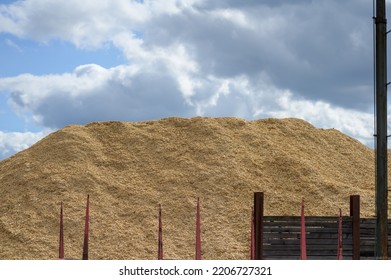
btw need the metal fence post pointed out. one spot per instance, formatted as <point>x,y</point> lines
<point>355,214</point>
<point>303,240</point>
<point>61,247</point>
<point>160,236</point>
<point>198,232</point>
<point>258,224</point>
<point>86,230</point>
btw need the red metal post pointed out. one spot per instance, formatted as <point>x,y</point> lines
<point>339,252</point>
<point>303,242</point>
<point>258,225</point>
<point>86,230</point>
<point>198,232</point>
<point>61,247</point>
<point>252,238</point>
<point>160,237</point>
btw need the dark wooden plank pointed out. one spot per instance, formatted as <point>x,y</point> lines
<point>309,258</point>
<point>309,246</point>
<point>325,252</point>
<point>310,230</point>
<point>278,235</point>
<point>315,218</point>
<point>307,224</point>
<point>309,242</point>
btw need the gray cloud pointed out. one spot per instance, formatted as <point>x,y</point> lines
<point>101,94</point>
<point>319,50</point>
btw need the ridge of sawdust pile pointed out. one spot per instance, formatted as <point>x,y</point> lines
<point>130,168</point>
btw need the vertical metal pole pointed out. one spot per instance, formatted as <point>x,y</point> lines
<point>303,241</point>
<point>160,236</point>
<point>252,245</point>
<point>198,232</point>
<point>381,246</point>
<point>355,214</point>
<point>339,250</point>
<point>258,225</point>
<point>61,247</point>
<point>86,230</point>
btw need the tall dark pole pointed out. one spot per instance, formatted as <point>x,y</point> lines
<point>86,230</point>
<point>381,246</point>
<point>160,236</point>
<point>258,225</point>
<point>61,247</point>
<point>198,232</point>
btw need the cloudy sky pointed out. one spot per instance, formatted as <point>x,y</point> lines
<point>72,62</point>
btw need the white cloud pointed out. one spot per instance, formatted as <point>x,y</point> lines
<point>13,142</point>
<point>92,93</point>
<point>248,99</point>
<point>322,114</point>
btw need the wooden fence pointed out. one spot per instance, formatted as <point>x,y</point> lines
<point>281,237</point>
<point>278,237</point>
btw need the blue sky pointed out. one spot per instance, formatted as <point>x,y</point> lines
<point>38,58</point>
<point>53,57</point>
<point>69,62</point>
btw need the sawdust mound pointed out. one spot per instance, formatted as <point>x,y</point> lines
<point>130,168</point>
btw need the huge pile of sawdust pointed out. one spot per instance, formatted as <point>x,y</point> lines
<point>129,168</point>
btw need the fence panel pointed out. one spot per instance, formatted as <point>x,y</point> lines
<point>281,237</point>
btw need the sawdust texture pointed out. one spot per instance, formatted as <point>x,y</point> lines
<point>128,169</point>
